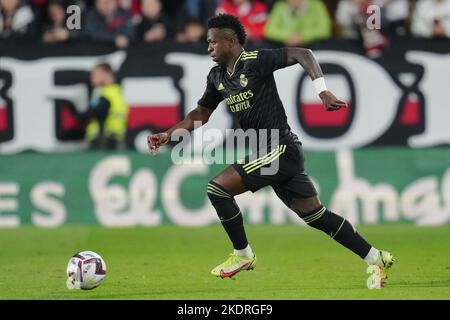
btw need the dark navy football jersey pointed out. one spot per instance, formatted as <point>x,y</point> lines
<point>250,91</point>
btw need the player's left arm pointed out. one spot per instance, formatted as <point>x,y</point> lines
<point>306,59</point>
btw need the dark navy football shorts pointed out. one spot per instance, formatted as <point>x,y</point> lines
<point>282,168</point>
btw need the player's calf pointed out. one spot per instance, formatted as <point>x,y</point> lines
<point>337,228</point>
<point>230,216</point>
<point>343,232</point>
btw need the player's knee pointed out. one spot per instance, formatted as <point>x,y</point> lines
<point>304,207</point>
<point>223,202</point>
<point>327,221</point>
<point>216,193</point>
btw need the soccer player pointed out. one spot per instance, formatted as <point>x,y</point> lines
<point>245,80</point>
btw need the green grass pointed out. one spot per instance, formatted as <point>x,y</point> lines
<point>174,263</point>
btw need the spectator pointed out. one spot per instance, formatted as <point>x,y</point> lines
<point>394,16</point>
<point>431,19</point>
<point>298,22</point>
<point>251,13</point>
<point>107,115</point>
<point>56,30</point>
<point>133,6</point>
<point>197,14</point>
<point>109,22</point>
<point>351,16</point>
<point>155,25</point>
<point>201,10</point>
<point>194,31</point>
<point>16,20</point>
<point>177,12</point>
<point>39,10</point>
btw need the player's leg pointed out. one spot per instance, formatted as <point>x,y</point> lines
<point>252,173</point>
<point>300,195</point>
<point>221,192</point>
<point>340,229</point>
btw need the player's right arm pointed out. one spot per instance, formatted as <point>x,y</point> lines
<point>200,113</point>
<point>205,107</point>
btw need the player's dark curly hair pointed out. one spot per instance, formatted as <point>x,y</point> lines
<point>229,21</point>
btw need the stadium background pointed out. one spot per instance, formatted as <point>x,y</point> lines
<point>385,161</point>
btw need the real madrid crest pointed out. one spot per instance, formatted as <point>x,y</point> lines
<point>243,80</point>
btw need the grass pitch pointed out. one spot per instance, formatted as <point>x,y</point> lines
<point>173,263</point>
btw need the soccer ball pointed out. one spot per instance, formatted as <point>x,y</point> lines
<point>86,270</point>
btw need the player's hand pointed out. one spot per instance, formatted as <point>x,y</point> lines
<point>331,103</point>
<point>156,140</point>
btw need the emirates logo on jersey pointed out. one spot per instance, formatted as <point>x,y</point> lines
<point>243,80</point>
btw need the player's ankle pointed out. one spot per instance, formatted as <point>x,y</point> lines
<point>372,256</point>
<point>247,252</point>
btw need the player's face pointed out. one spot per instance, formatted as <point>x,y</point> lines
<point>219,45</point>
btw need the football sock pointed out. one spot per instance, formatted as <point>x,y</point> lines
<point>339,229</point>
<point>229,214</point>
<point>247,252</point>
<point>372,256</point>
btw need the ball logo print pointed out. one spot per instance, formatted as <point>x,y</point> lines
<point>86,270</point>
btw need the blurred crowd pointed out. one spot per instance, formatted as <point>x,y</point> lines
<point>375,24</point>
<point>286,22</point>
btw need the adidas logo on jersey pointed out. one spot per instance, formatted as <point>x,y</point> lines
<point>220,87</point>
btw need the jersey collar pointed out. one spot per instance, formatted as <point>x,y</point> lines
<point>235,63</point>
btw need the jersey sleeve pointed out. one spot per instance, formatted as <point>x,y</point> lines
<point>270,60</point>
<point>211,97</point>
